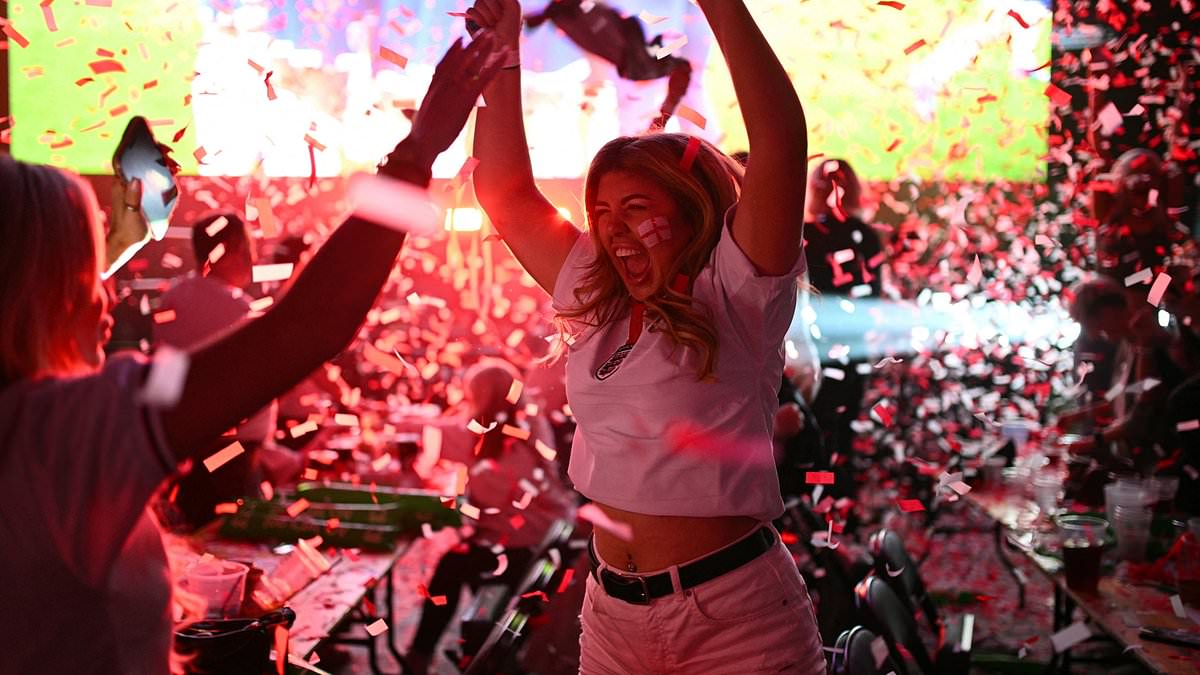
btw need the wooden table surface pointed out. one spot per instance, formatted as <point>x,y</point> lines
<point>1119,607</point>
<point>322,604</point>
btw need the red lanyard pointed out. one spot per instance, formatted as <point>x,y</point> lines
<point>635,323</point>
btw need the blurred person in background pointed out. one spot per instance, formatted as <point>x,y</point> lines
<point>193,311</point>
<point>519,495</point>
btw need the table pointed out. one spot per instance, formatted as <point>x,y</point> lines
<point>1119,607</point>
<point>330,599</point>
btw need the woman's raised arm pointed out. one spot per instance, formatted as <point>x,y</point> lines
<point>231,378</point>
<point>531,226</point>
<point>769,224</point>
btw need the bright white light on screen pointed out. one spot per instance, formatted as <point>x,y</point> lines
<point>466,219</point>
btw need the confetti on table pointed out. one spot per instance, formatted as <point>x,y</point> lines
<point>1070,636</point>
<point>911,505</point>
<point>883,412</point>
<point>377,628</point>
<point>819,477</point>
<point>297,507</point>
<point>221,457</point>
<point>1161,283</point>
<point>275,272</point>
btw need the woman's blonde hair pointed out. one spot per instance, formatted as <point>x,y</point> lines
<point>50,258</point>
<point>703,192</point>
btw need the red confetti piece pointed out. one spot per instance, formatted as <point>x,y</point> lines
<point>393,57</point>
<point>297,507</point>
<point>98,3</point>
<point>884,413</point>
<point>150,85</point>
<point>911,505</point>
<point>312,165</point>
<point>537,594</point>
<point>14,35</point>
<point>438,600</point>
<point>281,648</point>
<point>566,580</point>
<point>270,87</point>
<point>106,66</point>
<point>1017,17</point>
<point>914,47</point>
<point>219,458</point>
<point>819,477</point>
<point>83,80</point>
<point>227,508</point>
<point>691,116</point>
<point>119,110</point>
<point>1161,283</point>
<point>165,316</point>
<point>895,144</point>
<point>689,155</point>
<point>891,3</point>
<point>1058,96</point>
<point>179,134</point>
<point>48,15</point>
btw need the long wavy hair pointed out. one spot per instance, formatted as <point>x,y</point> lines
<point>703,193</point>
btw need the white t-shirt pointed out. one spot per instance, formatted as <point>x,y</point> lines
<point>84,584</point>
<point>651,438</point>
<point>206,308</point>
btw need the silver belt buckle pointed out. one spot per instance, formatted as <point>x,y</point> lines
<point>627,582</point>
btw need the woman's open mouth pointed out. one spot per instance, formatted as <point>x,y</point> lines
<point>634,263</point>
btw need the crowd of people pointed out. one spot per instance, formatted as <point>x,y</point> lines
<point>654,375</point>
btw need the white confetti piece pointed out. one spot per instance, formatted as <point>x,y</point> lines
<point>1190,425</point>
<point>168,374</point>
<point>276,272</point>
<point>379,627</point>
<point>1139,277</point>
<point>1070,636</point>
<point>514,392</point>
<point>593,514</point>
<point>1161,283</point>
<point>393,204</point>
<point>1177,605</point>
<point>651,19</point>
<point>671,47</point>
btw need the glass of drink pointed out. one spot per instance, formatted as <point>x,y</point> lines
<point>1046,488</point>
<point>1132,527</point>
<point>1083,540</point>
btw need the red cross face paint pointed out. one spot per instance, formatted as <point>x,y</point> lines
<point>654,231</point>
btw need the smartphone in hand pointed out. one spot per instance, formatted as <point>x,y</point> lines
<point>139,156</point>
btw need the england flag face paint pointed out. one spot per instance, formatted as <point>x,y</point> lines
<point>654,231</point>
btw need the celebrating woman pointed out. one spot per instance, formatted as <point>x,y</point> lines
<point>82,445</point>
<point>674,305</point>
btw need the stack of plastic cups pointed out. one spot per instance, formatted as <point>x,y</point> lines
<point>1132,526</point>
<point>1129,493</point>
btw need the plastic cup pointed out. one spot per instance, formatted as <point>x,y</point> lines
<point>1045,492</point>
<point>221,584</point>
<point>1164,489</point>
<point>1127,493</point>
<point>1132,526</point>
<point>1083,540</point>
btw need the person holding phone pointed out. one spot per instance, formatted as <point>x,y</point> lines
<point>84,443</point>
<point>674,305</point>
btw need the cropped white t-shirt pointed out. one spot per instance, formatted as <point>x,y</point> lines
<point>651,438</point>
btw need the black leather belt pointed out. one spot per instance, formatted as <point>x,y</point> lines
<point>640,590</point>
